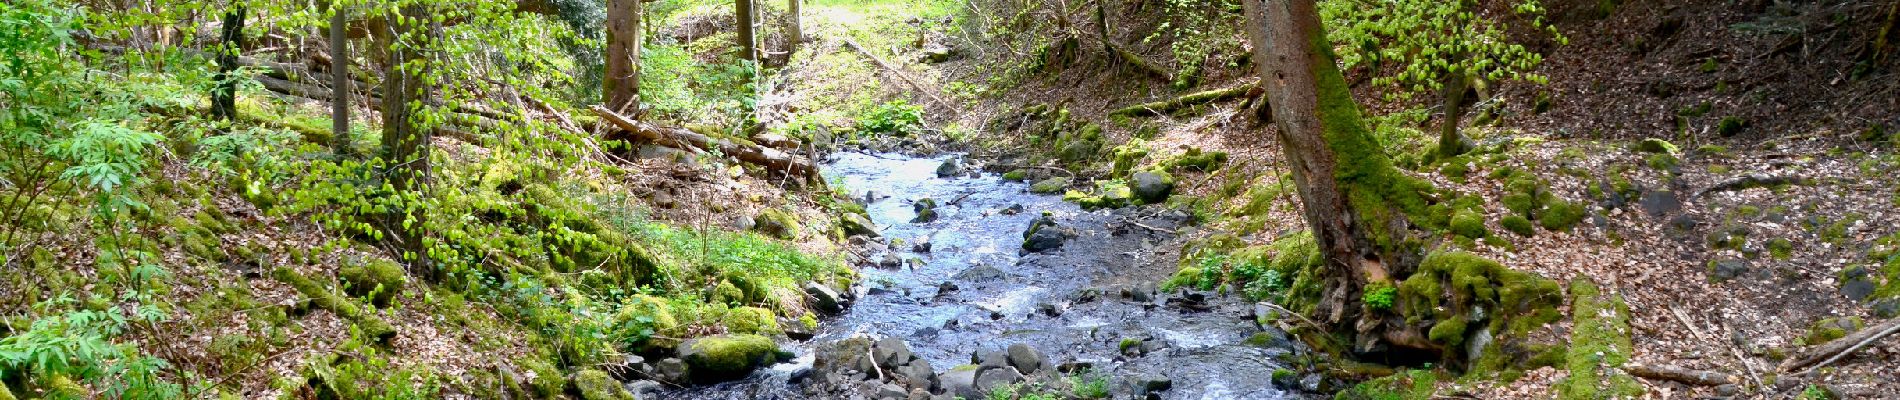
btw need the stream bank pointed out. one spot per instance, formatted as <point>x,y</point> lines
<point>956,306</point>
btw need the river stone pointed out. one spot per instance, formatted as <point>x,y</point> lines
<point>1146,384</point>
<point>921,244</point>
<point>742,223</point>
<point>856,224</point>
<point>728,357</point>
<point>891,352</point>
<point>990,358</point>
<point>1727,269</point>
<point>960,381</point>
<point>824,298</point>
<point>671,370</point>
<point>1269,337</point>
<point>1047,238</point>
<point>1026,359</point>
<point>980,273</point>
<point>1013,209</point>
<point>1660,202</point>
<point>991,378</point>
<point>1053,185</point>
<point>644,389</point>
<point>890,260</point>
<point>1152,187</point>
<point>891,391</point>
<point>950,168</point>
<point>918,374</point>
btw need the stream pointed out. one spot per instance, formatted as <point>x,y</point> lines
<point>1075,304</point>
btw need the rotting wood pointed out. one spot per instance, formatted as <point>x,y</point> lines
<point>1170,106</point>
<point>1679,374</point>
<point>1830,352</point>
<point>680,138</point>
<point>921,89</point>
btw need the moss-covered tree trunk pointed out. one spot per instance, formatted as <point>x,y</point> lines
<point>231,37</point>
<point>1451,142</point>
<point>1355,201</point>
<point>340,140</point>
<point>794,26</point>
<point>621,86</point>
<point>406,130</point>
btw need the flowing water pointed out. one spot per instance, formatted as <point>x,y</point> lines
<point>1000,294</point>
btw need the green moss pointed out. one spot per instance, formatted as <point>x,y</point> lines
<point>1448,284</point>
<point>1186,277</point>
<point>1128,343</point>
<point>1053,185</point>
<point>1730,125</point>
<point>1378,296</point>
<point>322,297</point>
<point>1126,157</point>
<point>1828,329</point>
<point>1659,146</point>
<point>779,223</point>
<point>595,384</point>
<point>377,279</point>
<point>726,356</point>
<point>1661,162</point>
<point>1016,175</point>
<point>750,320</point>
<point>1451,332</point>
<point>1469,224</point>
<point>727,293</point>
<point>1561,215</point>
<point>1408,385</point>
<point>1517,224</point>
<point>1599,345</point>
<point>547,381</point>
<point>1196,160</point>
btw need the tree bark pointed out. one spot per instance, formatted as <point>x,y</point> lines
<point>622,83</point>
<point>1450,142</point>
<point>794,28</point>
<point>406,133</point>
<point>748,43</point>
<point>1348,187</point>
<point>224,99</point>
<point>341,140</point>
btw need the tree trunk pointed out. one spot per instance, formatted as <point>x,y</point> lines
<point>1351,194</point>
<point>794,29</point>
<point>406,134</point>
<point>748,44</point>
<point>224,99</point>
<point>622,83</point>
<point>340,138</point>
<point>1450,142</point>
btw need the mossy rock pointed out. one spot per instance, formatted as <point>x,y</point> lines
<point>647,322</point>
<point>1055,185</point>
<point>1186,277</point>
<point>595,384</point>
<point>547,381</point>
<point>322,297</point>
<point>778,223</point>
<point>1561,215</point>
<point>1599,346</point>
<point>751,320</point>
<point>1409,385</point>
<point>377,279</point>
<point>1449,284</point>
<point>1731,125</point>
<point>856,224</point>
<point>1469,224</point>
<point>1658,146</point>
<point>1016,175</point>
<point>727,293</point>
<point>1518,224</point>
<point>1196,160</point>
<point>728,357</point>
<point>1829,329</point>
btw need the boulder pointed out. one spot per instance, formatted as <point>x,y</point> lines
<point>991,378</point>
<point>1152,187</point>
<point>950,168</point>
<point>891,352</point>
<point>722,358</point>
<point>1146,384</point>
<point>891,391</point>
<point>1726,269</point>
<point>1055,185</point>
<point>671,370</point>
<point>594,384</point>
<point>918,374</point>
<point>856,224</point>
<point>1048,238</point>
<point>1026,359</point>
<point>824,298</point>
<point>1013,209</point>
<point>777,223</point>
<point>927,215</point>
<point>921,244</point>
<point>961,381</point>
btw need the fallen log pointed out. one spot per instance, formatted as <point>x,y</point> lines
<point>1165,107</point>
<point>1828,353</point>
<point>680,138</point>
<point>1679,374</point>
<point>1754,180</point>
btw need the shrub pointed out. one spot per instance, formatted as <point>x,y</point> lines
<point>895,117</point>
<point>1379,296</point>
<point>1518,224</point>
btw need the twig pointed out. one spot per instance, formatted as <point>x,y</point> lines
<point>1315,325</point>
<point>1892,326</point>
<point>1167,231</point>
<point>1684,319</point>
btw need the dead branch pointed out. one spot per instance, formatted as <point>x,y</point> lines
<point>1165,107</point>
<point>1679,374</point>
<point>1830,352</point>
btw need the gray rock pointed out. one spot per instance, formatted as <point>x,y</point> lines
<point>1047,238</point>
<point>1026,359</point>
<point>671,370</point>
<point>1270,337</point>
<point>1152,187</point>
<point>1313,383</point>
<point>856,224</point>
<point>891,352</point>
<point>1013,209</point>
<point>918,374</point>
<point>1888,308</point>
<point>1052,309</point>
<point>1151,383</point>
<point>980,273</point>
<point>936,53</point>
<point>927,215</point>
<point>960,381</point>
<point>947,287</point>
<point>711,368</point>
<point>644,389</point>
<point>950,168</point>
<point>742,223</point>
<point>1858,289</point>
<point>1660,202</point>
<point>1727,269</point>
<point>1055,185</point>
<point>1474,348</point>
<point>891,391</point>
<point>890,260</point>
<point>824,298</point>
<point>921,244</point>
<point>991,378</point>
